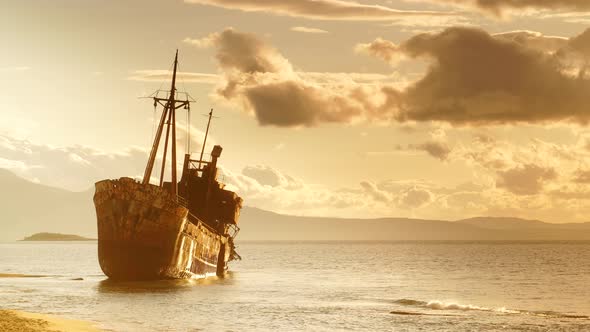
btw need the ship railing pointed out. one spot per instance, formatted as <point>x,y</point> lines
<point>194,164</point>
<point>204,160</point>
<point>182,201</point>
<point>233,230</point>
<point>195,220</point>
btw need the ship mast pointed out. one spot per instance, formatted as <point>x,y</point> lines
<point>170,104</point>
<point>205,140</point>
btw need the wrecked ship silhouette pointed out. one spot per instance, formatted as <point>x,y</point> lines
<point>174,230</point>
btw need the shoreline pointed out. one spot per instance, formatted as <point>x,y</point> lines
<point>20,321</point>
<point>20,275</point>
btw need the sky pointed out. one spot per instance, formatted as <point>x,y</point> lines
<point>435,109</point>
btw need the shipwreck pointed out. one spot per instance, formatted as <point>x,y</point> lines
<point>170,230</point>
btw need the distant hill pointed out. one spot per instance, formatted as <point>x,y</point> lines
<point>27,208</point>
<point>504,223</point>
<point>56,237</point>
<point>261,225</point>
<point>516,224</point>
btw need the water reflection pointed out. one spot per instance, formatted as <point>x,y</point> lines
<point>162,286</point>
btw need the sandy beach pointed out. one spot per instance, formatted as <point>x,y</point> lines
<point>18,321</point>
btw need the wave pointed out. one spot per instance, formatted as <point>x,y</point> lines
<point>558,314</point>
<point>413,313</point>
<point>410,302</point>
<point>441,305</point>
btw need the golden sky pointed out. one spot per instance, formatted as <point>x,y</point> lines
<point>441,109</point>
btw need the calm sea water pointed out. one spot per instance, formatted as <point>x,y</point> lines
<point>320,287</point>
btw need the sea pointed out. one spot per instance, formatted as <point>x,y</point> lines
<point>314,286</point>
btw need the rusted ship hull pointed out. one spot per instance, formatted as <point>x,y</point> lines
<point>143,234</point>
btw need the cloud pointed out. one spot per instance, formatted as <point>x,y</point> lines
<point>538,171</point>
<point>246,53</point>
<point>414,198</point>
<point>576,195</point>
<point>499,7</point>
<point>14,165</point>
<point>375,193</point>
<point>524,183</point>
<point>263,82</point>
<point>582,176</point>
<point>156,75</point>
<point>333,79</point>
<point>380,48</point>
<point>581,43</point>
<point>534,40</point>
<point>436,149</point>
<point>265,175</point>
<point>582,18</point>
<point>291,103</point>
<point>537,179</point>
<point>204,42</point>
<point>318,9</point>
<point>479,79</point>
<point>474,78</point>
<point>497,155</point>
<point>337,80</point>
<point>268,188</point>
<point>74,167</point>
<point>425,199</point>
<point>309,30</point>
<point>525,180</point>
<point>78,167</point>
<point>420,24</point>
<point>268,176</point>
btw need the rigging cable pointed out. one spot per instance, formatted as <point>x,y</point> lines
<point>188,110</point>
<point>187,148</point>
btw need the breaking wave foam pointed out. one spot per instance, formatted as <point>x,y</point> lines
<point>441,305</point>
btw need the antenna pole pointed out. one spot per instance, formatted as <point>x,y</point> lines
<point>205,140</point>
<point>188,124</point>
<point>172,107</point>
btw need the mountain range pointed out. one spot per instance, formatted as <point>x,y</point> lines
<point>27,208</point>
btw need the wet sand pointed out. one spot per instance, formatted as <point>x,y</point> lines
<point>18,321</point>
<point>18,275</point>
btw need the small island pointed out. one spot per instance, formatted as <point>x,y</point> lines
<point>56,237</point>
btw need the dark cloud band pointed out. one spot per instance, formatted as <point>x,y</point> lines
<point>474,79</point>
<point>498,7</point>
